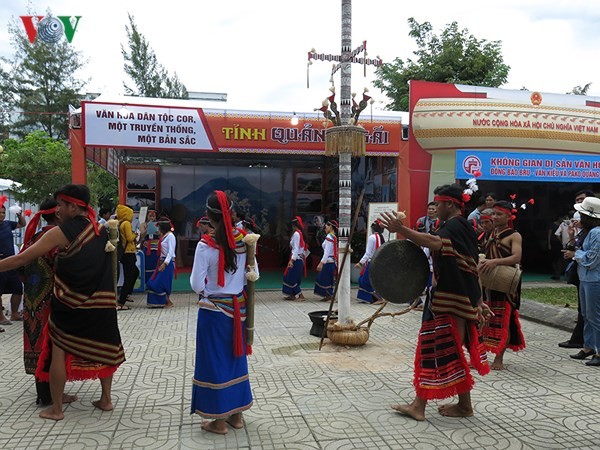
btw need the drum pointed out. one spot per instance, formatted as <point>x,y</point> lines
<point>399,271</point>
<point>504,279</point>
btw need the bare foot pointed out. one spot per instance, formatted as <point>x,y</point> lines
<point>236,421</point>
<point>104,406</point>
<point>409,410</point>
<point>69,398</point>
<point>455,410</point>
<point>213,428</point>
<point>50,413</point>
<point>169,304</point>
<point>497,364</point>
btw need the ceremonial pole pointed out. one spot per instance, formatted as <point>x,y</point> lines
<point>345,165</point>
<point>344,139</point>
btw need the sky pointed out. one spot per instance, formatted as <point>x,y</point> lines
<point>256,51</point>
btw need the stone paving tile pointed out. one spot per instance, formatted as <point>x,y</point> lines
<point>276,431</point>
<point>337,398</point>
<point>75,441</point>
<point>272,407</point>
<point>360,443</point>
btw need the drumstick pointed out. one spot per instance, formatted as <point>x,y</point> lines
<point>337,281</point>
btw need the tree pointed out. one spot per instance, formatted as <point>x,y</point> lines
<point>40,83</point>
<point>455,56</point>
<point>42,164</point>
<point>580,90</point>
<point>103,186</point>
<point>149,77</point>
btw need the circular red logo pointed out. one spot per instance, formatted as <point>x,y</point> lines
<point>471,164</point>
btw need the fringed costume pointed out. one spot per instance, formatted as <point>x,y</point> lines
<point>83,316</point>
<point>504,328</point>
<point>366,292</point>
<point>325,281</point>
<point>441,369</point>
<point>38,282</point>
<point>221,385</point>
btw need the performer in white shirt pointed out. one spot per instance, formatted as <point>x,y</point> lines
<point>161,282</point>
<point>292,277</point>
<point>366,292</point>
<point>221,389</point>
<point>327,268</point>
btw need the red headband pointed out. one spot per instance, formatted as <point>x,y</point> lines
<point>34,222</point>
<point>485,218</point>
<point>222,197</point>
<point>90,212</point>
<point>299,220</point>
<point>3,199</point>
<point>511,216</point>
<point>447,198</point>
<point>334,223</point>
<point>504,210</point>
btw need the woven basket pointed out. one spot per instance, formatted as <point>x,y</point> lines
<point>504,279</point>
<point>345,139</point>
<point>347,334</point>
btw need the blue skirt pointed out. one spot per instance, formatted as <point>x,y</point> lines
<point>150,259</point>
<point>221,383</point>
<point>325,281</point>
<point>159,288</point>
<point>366,291</point>
<point>293,278</point>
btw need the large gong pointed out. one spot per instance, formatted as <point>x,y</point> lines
<point>399,271</point>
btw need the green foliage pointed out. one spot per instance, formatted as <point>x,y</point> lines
<point>42,164</point>
<point>103,186</point>
<point>41,82</point>
<point>454,56</point>
<point>150,78</point>
<point>563,296</point>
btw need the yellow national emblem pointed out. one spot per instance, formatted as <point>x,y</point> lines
<point>536,98</point>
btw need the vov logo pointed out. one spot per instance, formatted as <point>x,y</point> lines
<point>50,29</point>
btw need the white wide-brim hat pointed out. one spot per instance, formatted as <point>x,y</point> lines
<point>590,207</point>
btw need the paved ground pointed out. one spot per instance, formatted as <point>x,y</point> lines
<point>304,399</point>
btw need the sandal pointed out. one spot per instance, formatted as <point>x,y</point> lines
<point>123,308</point>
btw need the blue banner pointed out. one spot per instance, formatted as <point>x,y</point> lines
<point>504,166</point>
